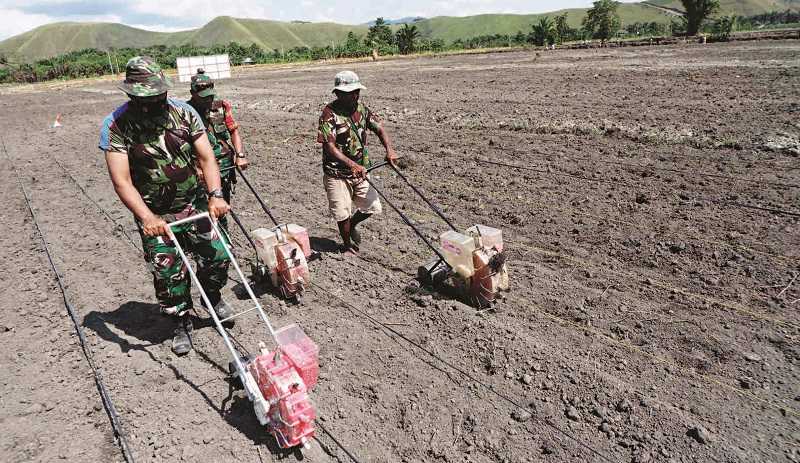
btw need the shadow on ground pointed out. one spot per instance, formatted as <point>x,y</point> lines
<point>148,328</point>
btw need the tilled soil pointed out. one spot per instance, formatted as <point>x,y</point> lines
<point>652,316</point>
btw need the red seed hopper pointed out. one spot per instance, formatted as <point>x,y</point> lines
<point>277,380</point>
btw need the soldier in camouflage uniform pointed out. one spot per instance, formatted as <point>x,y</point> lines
<point>342,132</point>
<point>152,145</point>
<point>222,129</point>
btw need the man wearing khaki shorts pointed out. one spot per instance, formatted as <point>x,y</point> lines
<point>342,132</point>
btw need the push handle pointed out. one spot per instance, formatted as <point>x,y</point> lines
<point>220,328</point>
<point>255,193</point>
<point>416,190</point>
<point>408,222</point>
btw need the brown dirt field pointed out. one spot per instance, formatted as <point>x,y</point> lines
<point>645,301</point>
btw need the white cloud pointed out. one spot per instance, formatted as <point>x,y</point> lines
<point>17,16</point>
<point>15,22</point>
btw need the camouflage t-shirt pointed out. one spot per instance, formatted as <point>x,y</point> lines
<point>218,122</point>
<point>349,133</point>
<point>160,153</point>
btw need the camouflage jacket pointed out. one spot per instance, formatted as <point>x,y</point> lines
<point>160,153</point>
<point>349,133</point>
<point>219,124</point>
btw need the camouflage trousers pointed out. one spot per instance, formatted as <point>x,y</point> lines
<point>228,181</point>
<point>170,277</point>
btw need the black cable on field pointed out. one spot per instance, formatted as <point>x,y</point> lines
<point>635,166</point>
<point>768,209</point>
<point>545,171</point>
<point>105,213</point>
<point>462,372</point>
<point>697,174</point>
<point>642,168</point>
<point>335,441</point>
<point>108,404</point>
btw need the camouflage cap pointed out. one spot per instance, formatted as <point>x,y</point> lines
<point>202,84</point>
<point>347,81</point>
<point>143,77</point>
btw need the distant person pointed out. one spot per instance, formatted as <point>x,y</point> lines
<point>151,144</point>
<point>222,130</point>
<point>342,132</point>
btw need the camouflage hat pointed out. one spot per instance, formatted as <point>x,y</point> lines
<point>202,84</point>
<point>347,81</point>
<point>143,77</point>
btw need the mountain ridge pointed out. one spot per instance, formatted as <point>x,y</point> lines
<point>62,37</point>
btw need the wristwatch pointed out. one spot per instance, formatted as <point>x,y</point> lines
<point>216,194</point>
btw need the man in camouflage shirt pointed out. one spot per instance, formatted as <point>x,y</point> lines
<point>342,132</point>
<point>222,129</point>
<point>152,145</point>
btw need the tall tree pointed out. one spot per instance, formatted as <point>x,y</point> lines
<point>562,29</point>
<point>696,12</point>
<point>406,37</point>
<point>602,20</point>
<point>543,31</point>
<point>379,34</point>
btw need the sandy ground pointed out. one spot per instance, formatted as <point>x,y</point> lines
<point>651,316</point>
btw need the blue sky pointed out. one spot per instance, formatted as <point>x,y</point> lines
<point>18,16</point>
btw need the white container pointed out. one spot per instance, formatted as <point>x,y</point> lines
<point>457,251</point>
<point>487,237</point>
<point>300,236</point>
<point>265,241</point>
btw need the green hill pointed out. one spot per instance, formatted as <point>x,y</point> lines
<point>59,38</point>
<point>740,7</point>
<point>452,28</point>
<point>267,34</point>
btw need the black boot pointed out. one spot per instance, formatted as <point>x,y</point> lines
<point>182,341</point>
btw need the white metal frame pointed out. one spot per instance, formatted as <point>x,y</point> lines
<point>215,66</point>
<point>260,404</point>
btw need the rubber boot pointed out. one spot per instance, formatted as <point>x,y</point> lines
<point>182,341</point>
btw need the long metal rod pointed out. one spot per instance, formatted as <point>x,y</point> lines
<point>244,232</point>
<point>408,221</point>
<point>377,166</point>
<point>258,197</point>
<point>220,328</point>
<point>416,190</point>
<point>432,206</point>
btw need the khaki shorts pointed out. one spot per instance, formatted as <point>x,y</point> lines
<point>345,193</point>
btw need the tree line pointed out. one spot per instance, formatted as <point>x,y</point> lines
<point>602,22</point>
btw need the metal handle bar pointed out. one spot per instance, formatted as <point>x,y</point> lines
<point>377,166</point>
<point>408,222</point>
<point>246,235</point>
<point>416,190</point>
<point>220,328</point>
<point>255,193</point>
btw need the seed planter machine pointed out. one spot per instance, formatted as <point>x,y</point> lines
<point>473,263</point>
<point>282,252</point>
<point>276,380</point>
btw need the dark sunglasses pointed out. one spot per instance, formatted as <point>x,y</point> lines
<point>143,100</point>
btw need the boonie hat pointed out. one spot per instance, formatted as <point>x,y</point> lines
<point>144,77</point>
<point>202,84</point>
<point>347,81</point>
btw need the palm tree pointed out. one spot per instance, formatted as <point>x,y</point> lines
<point>543,32</point>
<point>406,36</point>
<point>696,12</point>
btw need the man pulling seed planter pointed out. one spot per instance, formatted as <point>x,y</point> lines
<point>342,132</point>
<point>150,144</point>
